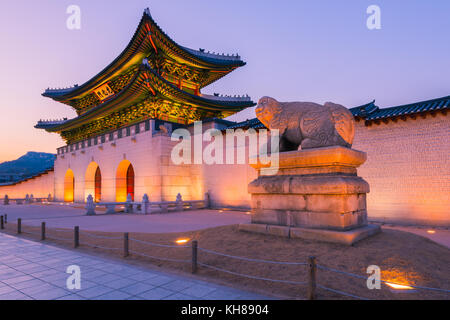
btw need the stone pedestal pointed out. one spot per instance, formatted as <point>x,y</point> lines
<point>316,194</point>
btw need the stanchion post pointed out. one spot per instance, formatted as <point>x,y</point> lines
<point>19,226</point>
<point>76,236</point>
<point>1,223</point>
<point>312,278</point>
<point>125,244</point>
<point>194,256</point>
<point>43,231</point>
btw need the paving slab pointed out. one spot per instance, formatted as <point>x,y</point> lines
<point>41,275</point>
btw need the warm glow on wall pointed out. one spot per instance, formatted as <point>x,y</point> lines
<point>69,186</point>
<point>124,181</point>
<point>90,181</point>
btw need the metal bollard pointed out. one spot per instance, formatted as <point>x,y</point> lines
<point>125,244</point>
<point>1,223</point>
<point>312,278</point>
<point>194,256</point>
<point>19,226</point>
<point>43,231</point>
<point>76,236</point>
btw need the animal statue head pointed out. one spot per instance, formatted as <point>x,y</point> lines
<point>266,110</point>
<point>307,124</point>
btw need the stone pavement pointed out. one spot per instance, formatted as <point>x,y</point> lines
<point>438,235</point>
<point>63,216</point>
<point>32,270</point>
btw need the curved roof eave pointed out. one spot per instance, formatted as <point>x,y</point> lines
<point>128,93</point>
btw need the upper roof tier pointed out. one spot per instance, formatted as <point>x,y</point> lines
<point>150,40</point>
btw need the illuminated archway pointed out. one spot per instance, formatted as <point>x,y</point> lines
<point>124,181</point>
<point>69,186</point>
<point>93,182</point>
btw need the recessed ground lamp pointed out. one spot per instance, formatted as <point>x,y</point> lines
<point>398,288</point>
<point>182,241</point>
<point>431,231</point>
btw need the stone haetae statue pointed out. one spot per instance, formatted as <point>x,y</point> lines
<point>307,124</point>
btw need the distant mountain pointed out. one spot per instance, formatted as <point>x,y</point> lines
<point>27,165</point>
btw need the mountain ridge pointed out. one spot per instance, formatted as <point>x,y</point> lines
<point>27,165</point>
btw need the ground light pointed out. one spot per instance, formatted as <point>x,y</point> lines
<point>431,231</point>
<point>181,241</point>
<point>399,286</point>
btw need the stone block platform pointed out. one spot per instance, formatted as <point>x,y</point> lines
<point>316,194</point>
<point>341,237</point>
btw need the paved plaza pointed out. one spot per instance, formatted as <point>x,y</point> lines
<point>67,216</point>
<point>35,271</point>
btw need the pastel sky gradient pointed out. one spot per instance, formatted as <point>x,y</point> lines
<point>317,51</point>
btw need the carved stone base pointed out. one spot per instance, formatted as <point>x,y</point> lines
<point>313,189</point>
<point>341,237</point>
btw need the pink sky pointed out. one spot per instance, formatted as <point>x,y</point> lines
<point>296,50</point>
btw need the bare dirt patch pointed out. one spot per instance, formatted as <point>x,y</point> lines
<point>403,258</point>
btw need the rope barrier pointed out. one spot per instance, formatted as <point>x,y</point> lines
<point>61,230</point>
<point>100,237</point>
<point>159,258</point>
<point>33,233</point>
<point>342,272</point>
<point>342,293</point>
<point>100,247</point>
<point>249,276</point>
<point>56,238</point>
<point>157,244</point>
<point>383,281</point>
<point>253,260</point>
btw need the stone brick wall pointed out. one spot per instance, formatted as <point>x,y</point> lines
<point>408,169</point>
<point>39,187</point>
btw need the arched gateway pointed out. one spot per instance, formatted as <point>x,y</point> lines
<point>124,181</point>
<point>69,186</point>
<point>93,182</point>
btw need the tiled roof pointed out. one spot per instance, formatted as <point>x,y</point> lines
<point>370,112</point>
<point>252,123</point>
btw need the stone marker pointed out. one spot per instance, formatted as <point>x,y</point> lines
<point>90,205</point>
<point>146,204</point>
<point>129,204</point>
<point>179,202</point>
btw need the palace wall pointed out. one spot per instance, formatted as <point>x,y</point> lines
<point>407,168</point>
<point>40,187</point>
<point>148,151</point>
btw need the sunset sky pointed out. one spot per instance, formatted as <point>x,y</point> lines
<point>295,50</point>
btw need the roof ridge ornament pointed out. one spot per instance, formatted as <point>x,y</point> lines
<point>147,12</point>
